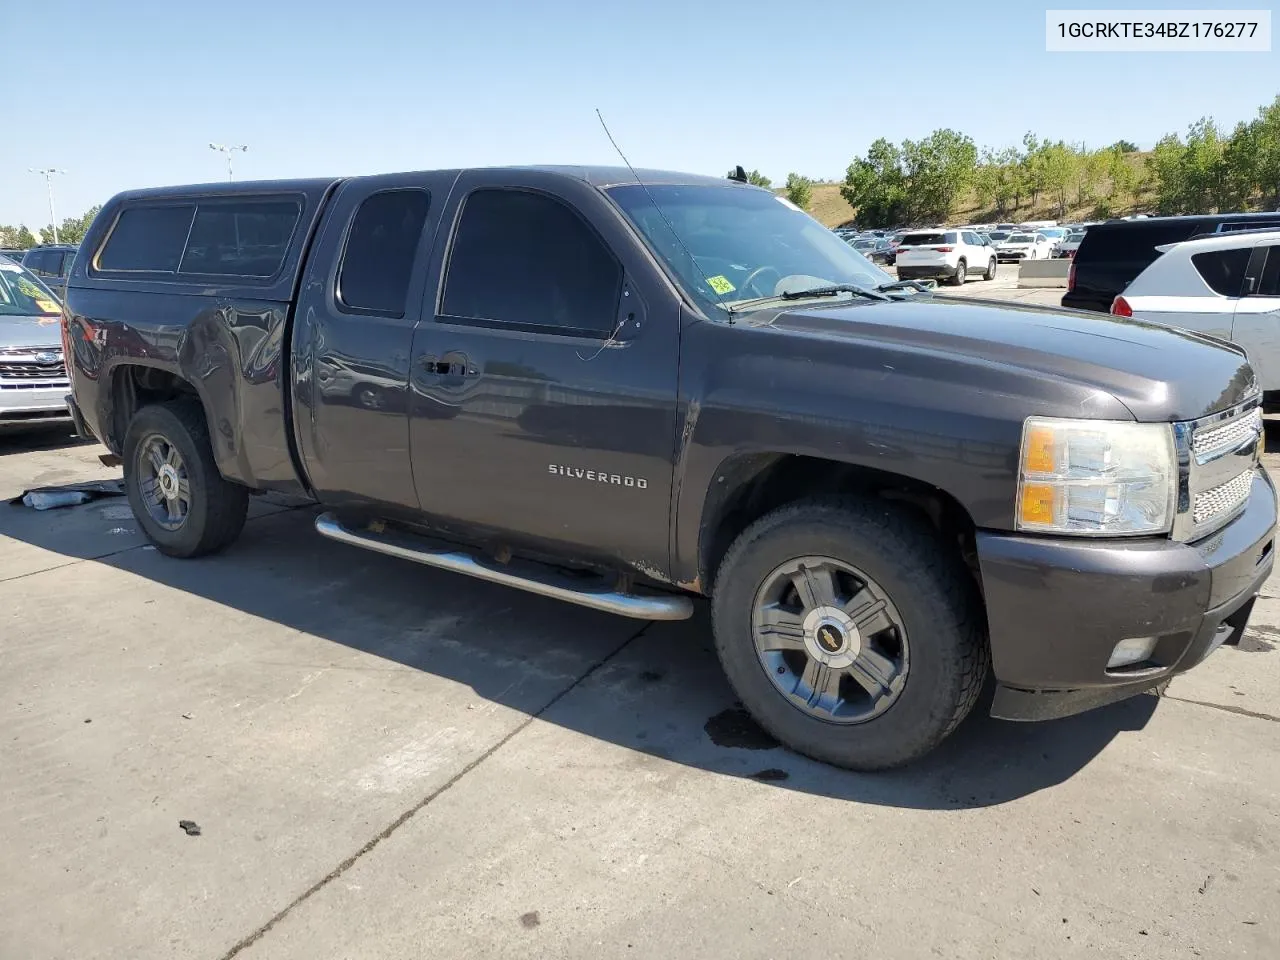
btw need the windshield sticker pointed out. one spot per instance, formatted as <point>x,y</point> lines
<point>788,204</point>
<point>48,306</point>
<point>721,285</point>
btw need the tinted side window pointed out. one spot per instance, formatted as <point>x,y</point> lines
<point>67,258</point>
<point>527,259</point>
<point>951,238</point>
<point>245,238</point>
<point>381,247</point>
<point>147,239</point>
<point>36,262</point>
<point>1223,270</point>
<point>1269,282</point>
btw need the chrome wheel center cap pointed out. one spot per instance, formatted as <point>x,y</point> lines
<point>168,480</point>
<point>830,637</point>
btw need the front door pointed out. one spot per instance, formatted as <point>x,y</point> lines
<point>544,374</point>
<point>1256,325</point>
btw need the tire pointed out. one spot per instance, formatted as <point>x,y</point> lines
<point>214,510</point>
<point>960,275</point>
<point>944,655</point>
<point>991,270</point>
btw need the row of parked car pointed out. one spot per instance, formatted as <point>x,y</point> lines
<point>972,248</point>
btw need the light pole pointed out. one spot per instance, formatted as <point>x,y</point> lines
<point>221,148</point>
<point>48,173</point>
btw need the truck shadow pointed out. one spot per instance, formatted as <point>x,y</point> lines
<point>653,689</point>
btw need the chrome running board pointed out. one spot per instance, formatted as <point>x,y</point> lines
<point>545,583</point>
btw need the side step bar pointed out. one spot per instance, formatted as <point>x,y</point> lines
<point>546,583</point>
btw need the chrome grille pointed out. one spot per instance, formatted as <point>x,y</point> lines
<point>1206,444</point>
<point>30,370</point>
<point>1217,461</point>
<point>1222,499</point>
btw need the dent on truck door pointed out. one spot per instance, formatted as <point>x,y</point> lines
<point>544,387</point>
<point>353,334</point>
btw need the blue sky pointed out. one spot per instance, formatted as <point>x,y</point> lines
<point>363,86</point>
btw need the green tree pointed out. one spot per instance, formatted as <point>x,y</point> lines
<point>1240,157</point>
<point>799,190</point>
<point>1058,166</point>
<point>1267,161</point>
<point>938,169</point>
<point>1032,165</point>
<point>1092,171</point>
<point>1166,168</point>
<point>25,238</point>
<point>72,229</point>
<point>1123,177</point>
<point>875,186</point>
<point>1125,146</point>
<point>1203,170</point>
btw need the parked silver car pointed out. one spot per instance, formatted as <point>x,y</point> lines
<point>33,374</point>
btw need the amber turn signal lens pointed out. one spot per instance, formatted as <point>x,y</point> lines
<point>1037,503</point>
<point>1038,454</point>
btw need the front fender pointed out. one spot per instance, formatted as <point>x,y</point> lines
<point>748,396</point>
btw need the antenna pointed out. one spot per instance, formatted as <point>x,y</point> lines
<point>688,252</point>
<point>739,175</point>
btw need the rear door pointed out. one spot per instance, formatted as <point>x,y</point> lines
<point>360,299</point>
<point>544,374</point>
<point>1257,314</point>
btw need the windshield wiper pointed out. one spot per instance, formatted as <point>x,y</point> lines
<point>815,292</point>
<point>905,285</point>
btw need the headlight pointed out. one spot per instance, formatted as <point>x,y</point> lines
<point>1096,477</point>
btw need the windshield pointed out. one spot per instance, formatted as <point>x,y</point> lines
<point>1052,232</point>
<point>1022,238</point>
<point>22,295</point>
<point>864,244</point>
<point>998,235</point>
<point>744,243</point>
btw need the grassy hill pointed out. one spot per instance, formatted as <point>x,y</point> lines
<point>830,208</point>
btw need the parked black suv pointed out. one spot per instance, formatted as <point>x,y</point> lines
<point>51,262</point>
<point>1115,252</point>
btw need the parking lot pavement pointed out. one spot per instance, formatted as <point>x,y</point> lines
<point>387,761</point>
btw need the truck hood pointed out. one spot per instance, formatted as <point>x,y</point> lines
<point>1159,373</point>
<point>39,331</point>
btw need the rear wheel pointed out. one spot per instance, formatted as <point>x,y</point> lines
<point>178,496</point>
<point>960,275</point>
<point>991,270</point>
<point>849,632</point>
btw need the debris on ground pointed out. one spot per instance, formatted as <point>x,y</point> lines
<point>190,827</point>
<point>109,460</point>
<point>69,495</point>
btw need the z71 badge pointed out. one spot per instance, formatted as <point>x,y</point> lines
<point>597,476</point>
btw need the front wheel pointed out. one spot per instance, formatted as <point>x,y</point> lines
<point>991,270</point>
<point>182,502</point>
<point>850,632</point>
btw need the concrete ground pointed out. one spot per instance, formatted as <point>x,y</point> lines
<point>390,762</point>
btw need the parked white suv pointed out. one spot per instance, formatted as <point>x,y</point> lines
<point>1024,246</point>
<point>948,254</point>
<point>1226,285</point>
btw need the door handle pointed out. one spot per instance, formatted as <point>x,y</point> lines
<point>451,365</point>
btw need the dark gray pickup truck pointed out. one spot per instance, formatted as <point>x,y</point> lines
<point>626,390</point>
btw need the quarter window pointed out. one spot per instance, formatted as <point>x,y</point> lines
<point>528,260</point>
<point>241,239</point>
<point>147,239</point>
<point>381,248</point>
<point>1223,270</point>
